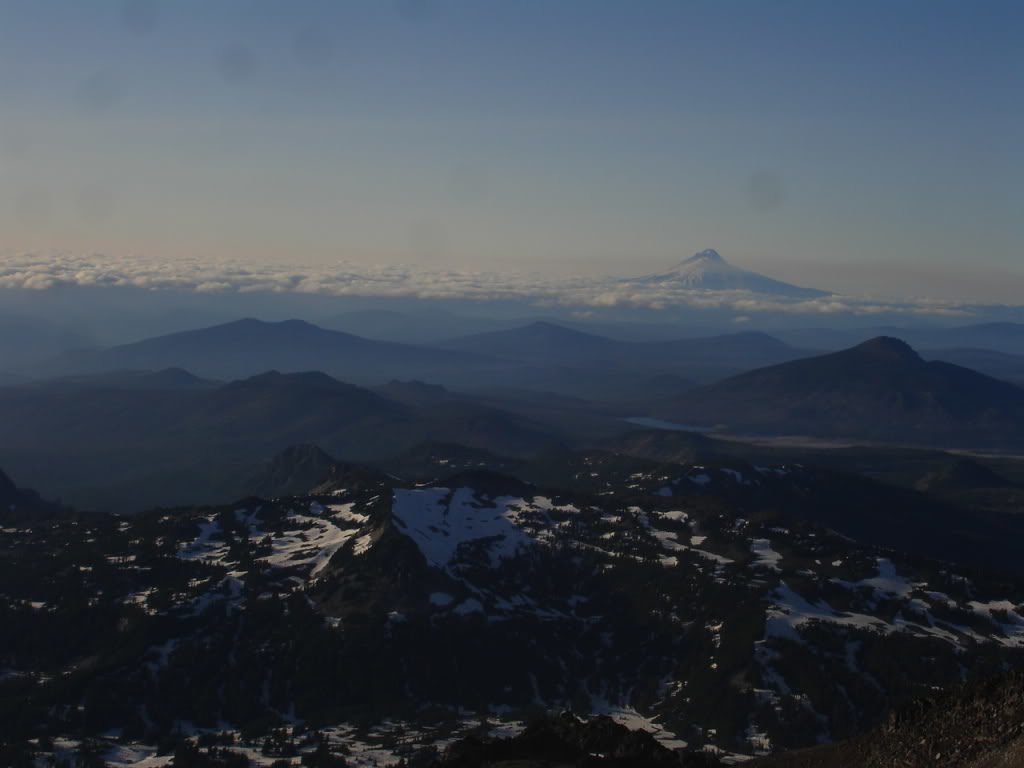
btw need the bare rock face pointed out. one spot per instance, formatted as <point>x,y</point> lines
<point>976,726</point>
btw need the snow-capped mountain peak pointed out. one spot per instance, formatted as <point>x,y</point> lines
<point>707,262</point>
<point>708,254</point>
<point>709,271</point>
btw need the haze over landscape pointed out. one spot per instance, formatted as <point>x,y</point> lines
<point>455,384</point>
<point>863,148</point>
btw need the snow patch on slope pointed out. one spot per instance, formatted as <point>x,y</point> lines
<point>440,521</point>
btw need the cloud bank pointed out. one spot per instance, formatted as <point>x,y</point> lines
<point>43,271</point>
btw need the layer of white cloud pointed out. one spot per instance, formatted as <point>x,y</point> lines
<point>41,271</point>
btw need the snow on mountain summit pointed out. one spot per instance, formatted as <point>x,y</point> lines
<point>709,271</point>
<point>700,266</point>
<point>708,254</point>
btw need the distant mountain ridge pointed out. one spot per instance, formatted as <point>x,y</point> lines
<point>1004,337</point>
<point>249,346</point>
<point>708,271</point>
<point>303,469</point>
<point>540,340</point>
<point>541,356</point>
<point>100,446</point>
<point>166,379</point>
<point>881,389</point>
<point>30,340</point>
<point>549,342</point>
<point>8,490</point>
<point>21,503</point>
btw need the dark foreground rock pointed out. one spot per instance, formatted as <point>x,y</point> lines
<point>977,726</point>
<point>566,740</point>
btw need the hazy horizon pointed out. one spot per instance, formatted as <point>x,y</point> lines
<point>865,149</point>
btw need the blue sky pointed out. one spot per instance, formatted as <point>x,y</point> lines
<point>844,144</point>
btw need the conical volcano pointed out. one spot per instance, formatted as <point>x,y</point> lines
<point>709,271</point>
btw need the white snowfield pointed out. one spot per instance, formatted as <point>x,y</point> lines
<point>789,611</point>
<point>311,544</point>
<point>670,541</point>
<point>305,542</point>
<point>204,547</point>
<point>441,521</point>
<point>766,556</point>
<point>299,549</point>
<point>919,613</point>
